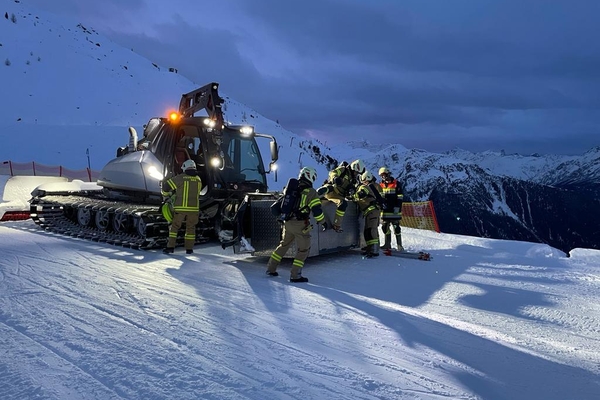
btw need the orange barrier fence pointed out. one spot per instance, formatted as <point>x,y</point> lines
<point>35,169</point>
<point>419,215</point>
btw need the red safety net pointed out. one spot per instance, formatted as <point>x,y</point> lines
<point>419,215</point>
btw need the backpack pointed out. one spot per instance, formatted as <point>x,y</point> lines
<point>284,206</point>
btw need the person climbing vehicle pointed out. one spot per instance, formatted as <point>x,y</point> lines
<point>392,211</point>
<point>341,185</point>
<point>297,227</point>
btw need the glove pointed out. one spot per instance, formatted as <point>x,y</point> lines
<point>338,180</point>
<point>322,191</point>
<point>324,226</point>
<point>396,210</point>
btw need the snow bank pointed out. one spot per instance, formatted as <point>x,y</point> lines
<point>15,191</point>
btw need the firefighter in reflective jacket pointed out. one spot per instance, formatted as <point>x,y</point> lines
<point>367,203</point>
<point>341,185</point>
<point>297,226</point>
<point>392,211</point>
<point>186,205</point>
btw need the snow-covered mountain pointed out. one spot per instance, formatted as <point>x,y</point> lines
<point>67,89</point>
<point>550,199</point>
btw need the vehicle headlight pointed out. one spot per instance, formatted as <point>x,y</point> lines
<point>155,173</point>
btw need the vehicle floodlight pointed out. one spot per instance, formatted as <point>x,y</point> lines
<point>247,130</point>
<point>215,162</point>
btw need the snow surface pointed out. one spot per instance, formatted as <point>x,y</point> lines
<point>485,319</point>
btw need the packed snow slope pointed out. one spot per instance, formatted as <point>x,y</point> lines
<point>485,319</point>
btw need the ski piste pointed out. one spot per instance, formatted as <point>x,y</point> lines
<point>418,255</point>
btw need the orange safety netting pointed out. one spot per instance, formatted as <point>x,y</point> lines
<point>15,216</point>
<point>419,215</point>
<point>35,169</point>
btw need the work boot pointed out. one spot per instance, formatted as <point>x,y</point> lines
<point>296,274</point>
<point>189,251</point>
<point>388,242</point>
<point>337,224</point>
<point>371,255</point>
<point>399,242</point>
<point>272,268</point>
<point>299,279</point>
<point>169,250</point>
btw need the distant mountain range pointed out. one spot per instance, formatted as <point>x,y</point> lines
<point>551,199</point>
<point>542,198</point>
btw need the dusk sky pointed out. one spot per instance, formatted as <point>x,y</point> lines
<point>522,76</point>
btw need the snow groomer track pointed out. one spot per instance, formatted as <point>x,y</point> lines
<point>99,220</point>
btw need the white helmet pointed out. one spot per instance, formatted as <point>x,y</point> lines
<point>358,166</point>
<point>188,164</point>
<point>308,173</point>
<point>384,170</point>
<point>366,177</point>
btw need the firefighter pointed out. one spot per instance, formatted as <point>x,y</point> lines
<point>340,186</point>
<point>297,226</point>
<point>368,205</point>
<point>392,210</point>
<point>186,189</point>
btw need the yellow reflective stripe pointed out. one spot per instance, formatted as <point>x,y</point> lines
<point>340,213</point>
<point>190,237</point>
<point>172,184</point>
<point>320,217</point>
<point>181,208</point>
<point>314,202</point>
<point>186,194</point>
<point>298,263</point>
<point>372,241</point>
<point>302,199</point>
<point>172,234</point>
<point>369,209</point>
<point>276,257</point>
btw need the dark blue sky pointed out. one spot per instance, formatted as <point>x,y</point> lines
<point>523,76</point>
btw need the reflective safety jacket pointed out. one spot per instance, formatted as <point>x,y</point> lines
<point>342,180</point>
<point>309,202</point>
<point>392,193</point>
<point>187,189</point>
<point>366,199</point>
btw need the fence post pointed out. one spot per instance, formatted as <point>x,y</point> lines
<point>33,164</point>
<point>89,171</point>
<point>10,166</point>
<point>60,170</point>
<point>437,227</point>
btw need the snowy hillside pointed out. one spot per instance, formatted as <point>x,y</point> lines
<point>67,89</point>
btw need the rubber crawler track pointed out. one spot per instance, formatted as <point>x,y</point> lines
<point>139,227</point>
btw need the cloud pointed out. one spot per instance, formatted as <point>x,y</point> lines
<point>329,65</point>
